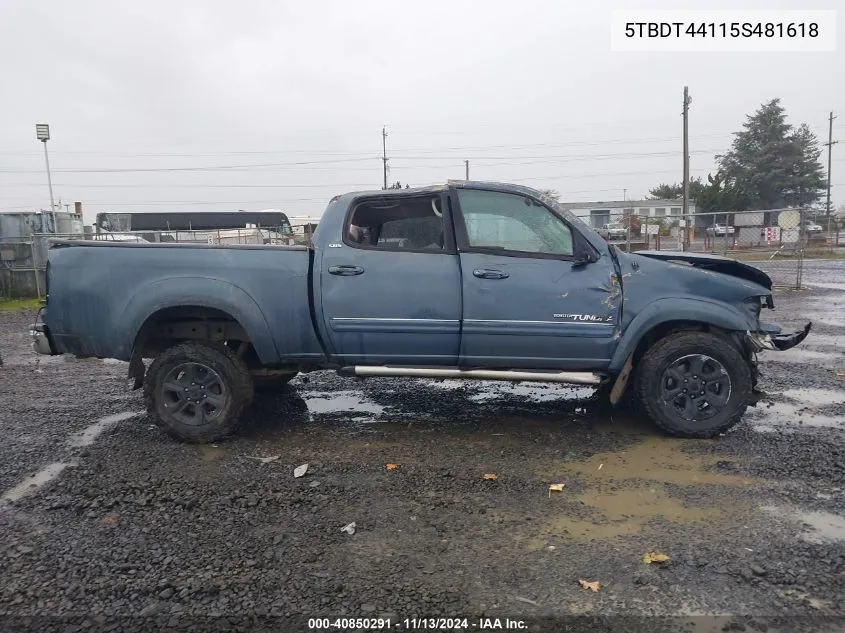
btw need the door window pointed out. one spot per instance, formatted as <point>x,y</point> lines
<point>511,222</point>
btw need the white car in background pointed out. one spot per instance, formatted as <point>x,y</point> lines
<point>718,230</point>
<point>613,231</point>
<point>812,227</point>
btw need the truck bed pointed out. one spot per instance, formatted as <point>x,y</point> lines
<point>116,287</point>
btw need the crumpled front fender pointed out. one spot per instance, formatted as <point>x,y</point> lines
<point>781,342</point>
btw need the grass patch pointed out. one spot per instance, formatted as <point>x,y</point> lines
<point>19,305</point>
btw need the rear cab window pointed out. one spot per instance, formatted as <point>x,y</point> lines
<point>412,224</point>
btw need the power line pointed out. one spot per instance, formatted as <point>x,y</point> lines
<point>120,170</point>
<point>253,166</point>
<point>366,153</point>
<point>202,202</point>
<point>602,174</point>
<point>280,200</point>
<point>188,186</point>
<point>242,202</point>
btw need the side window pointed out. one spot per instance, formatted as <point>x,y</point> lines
<point>513,223</point>
<point>414,224</point>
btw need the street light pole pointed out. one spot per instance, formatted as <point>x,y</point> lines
<point>42,132</point>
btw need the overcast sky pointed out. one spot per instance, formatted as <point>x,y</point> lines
<point>285,101</point>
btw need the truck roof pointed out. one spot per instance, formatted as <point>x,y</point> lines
<point>348,199</point>
<point>460,184</point>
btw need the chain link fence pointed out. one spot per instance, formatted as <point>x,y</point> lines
<point>23,260</point>
<point>20,276</point>
<point>774,240</point>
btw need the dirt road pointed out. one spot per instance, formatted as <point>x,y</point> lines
<point>107,520</point>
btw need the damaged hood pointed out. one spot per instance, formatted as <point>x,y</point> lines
<point>714,263</point>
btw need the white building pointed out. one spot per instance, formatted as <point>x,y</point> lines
<point>596,214</point>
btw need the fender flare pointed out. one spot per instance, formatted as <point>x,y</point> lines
<point>204,292</point>
<point>678,309</point>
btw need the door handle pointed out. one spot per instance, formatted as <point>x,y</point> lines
<point>486,273</point>
<point>345,270</point>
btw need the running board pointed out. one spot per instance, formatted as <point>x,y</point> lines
<point>574,378</point>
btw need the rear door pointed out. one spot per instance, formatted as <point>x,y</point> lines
<point>391,288</point>
<point>524,303</point>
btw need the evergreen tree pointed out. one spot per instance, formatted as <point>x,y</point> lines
<point>665,191</point>
<point>808,178</point>
<point>675,191</point>
<point>771,165</point>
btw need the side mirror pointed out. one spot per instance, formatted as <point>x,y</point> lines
<point>582,259</point>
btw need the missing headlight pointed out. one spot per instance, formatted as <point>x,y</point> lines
<point>754,305</point>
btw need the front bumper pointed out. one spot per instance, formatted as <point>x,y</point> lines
<point>40,337</point>
<point>761,340</point>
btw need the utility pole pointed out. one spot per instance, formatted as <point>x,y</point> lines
<point>384,153</point>
<point>466,163</point>
<point>687,101</point>
<point>830,143</point>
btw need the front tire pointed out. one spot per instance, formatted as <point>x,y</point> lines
<point>694,384</point>
<point>197,391</point>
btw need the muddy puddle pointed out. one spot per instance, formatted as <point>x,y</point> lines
<point>350,402</point>
<point>618,493</point>
<point>801,409</point>
<point>497,390</point>
<point>813,527</point>
<point>802,355</point>
<point>536,392</point>
<point>360,409</point>
<point>210,453</point>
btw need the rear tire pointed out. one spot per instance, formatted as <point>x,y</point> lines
<point>694,384</point>
<point>197,391</point>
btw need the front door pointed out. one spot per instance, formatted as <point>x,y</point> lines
<point>525,305</point>
<point>390,290</point>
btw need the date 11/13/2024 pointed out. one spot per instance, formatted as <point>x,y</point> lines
<point>417,624</point>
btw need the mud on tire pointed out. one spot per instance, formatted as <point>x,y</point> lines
<point>694,384</point>
<point>197,391</point>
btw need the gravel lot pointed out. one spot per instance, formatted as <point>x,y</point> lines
<point>131,528</point>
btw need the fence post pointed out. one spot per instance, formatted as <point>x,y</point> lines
<point>32,251</point>
<point>627,215</point>
<point>799,267</point>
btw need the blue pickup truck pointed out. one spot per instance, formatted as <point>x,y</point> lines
<point>465,280</point>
